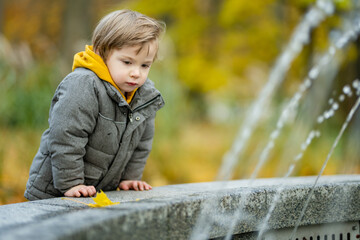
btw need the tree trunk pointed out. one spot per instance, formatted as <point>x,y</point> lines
<point>77,28</point>
<point>2,12</point>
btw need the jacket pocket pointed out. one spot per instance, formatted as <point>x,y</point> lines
<point>107,135</point>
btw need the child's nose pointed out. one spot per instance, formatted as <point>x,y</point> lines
<point>135,72</point>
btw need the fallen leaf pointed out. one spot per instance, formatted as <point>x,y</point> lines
<point>101,200</point>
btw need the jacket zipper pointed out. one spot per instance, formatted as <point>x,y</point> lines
<point>141,107</point>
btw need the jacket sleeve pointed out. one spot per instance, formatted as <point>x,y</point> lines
<point>135,167</point>
<point>72,118</point>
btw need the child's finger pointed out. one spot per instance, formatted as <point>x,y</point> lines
<point>87,191</point>
<point>147,186</point>
<point>77,193</point>
<point>141,186</point>
<point>83,191</point>
<point>135,186</point>
<point>92,191</point>
<point>125,187</point>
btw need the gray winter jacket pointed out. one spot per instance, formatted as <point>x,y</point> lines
<point>94,137</point>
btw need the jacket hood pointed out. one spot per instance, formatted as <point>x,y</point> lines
<point>90,60</point>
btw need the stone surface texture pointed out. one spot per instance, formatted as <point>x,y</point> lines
<point>172,212</point>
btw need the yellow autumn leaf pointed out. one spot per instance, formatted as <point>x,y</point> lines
<point>101,200</point>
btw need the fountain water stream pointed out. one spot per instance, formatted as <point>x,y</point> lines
<point>291,107</point>
<point>327,114</point>
<point>349,117</point>
<point>312,19</point>
<point>348,36</point>
<point>301,36</point>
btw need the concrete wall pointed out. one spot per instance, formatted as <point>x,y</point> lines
<point>171,212</point>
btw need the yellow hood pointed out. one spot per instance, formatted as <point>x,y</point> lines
<point>90,60</point>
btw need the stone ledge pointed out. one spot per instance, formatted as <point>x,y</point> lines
<point>170,212</point>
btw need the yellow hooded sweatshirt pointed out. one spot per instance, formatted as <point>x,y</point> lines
<point>90,60</point>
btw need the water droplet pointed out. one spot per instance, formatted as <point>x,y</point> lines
<point>303,146</point>
<point>332,50</point>
<point>297,97</point>
<point>335,106</point>
<point>307,83</point>
<point>298,157</point>
<point>314,73</point>
<point>320,119</point>
<point>346,89</point>
<point>302,88</point>
<point>341,98</point>
<point>270,145</point>
<point>356,84</point>
<point>341,42</point>
<point>328,114</point>
<point>326,6</point>
<point>246,133</point>
<point>275,134</point>
<point>331,101</point>
<point>311,135</point>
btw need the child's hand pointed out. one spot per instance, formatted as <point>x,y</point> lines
<point>81,190</point>
<point>134,184</point>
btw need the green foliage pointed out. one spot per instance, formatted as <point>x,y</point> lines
<point>343,5</point>
<point>26,95</point>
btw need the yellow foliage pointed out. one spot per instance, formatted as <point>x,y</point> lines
<point>200,75</point>
<point>101,200</point>
<point>234,12</point>
<point>343,4</point>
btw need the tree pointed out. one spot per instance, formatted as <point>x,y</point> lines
<point>1,16</point>
<point>77,28</point>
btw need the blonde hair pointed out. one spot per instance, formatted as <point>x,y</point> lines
<point>125,28</point>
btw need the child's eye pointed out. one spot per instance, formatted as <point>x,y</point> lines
<point>145,66</point>
<point>127,62</point>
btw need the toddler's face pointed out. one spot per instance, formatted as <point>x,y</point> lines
<point>128,67</point>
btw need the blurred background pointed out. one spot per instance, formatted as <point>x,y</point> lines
<point>214,60</point>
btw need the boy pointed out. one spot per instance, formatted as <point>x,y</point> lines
<point>101,119</point>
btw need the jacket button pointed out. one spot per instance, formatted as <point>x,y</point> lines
<point>137,118</point>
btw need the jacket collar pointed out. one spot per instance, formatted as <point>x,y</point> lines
<point>90,60</point>
<point>143,95</point>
